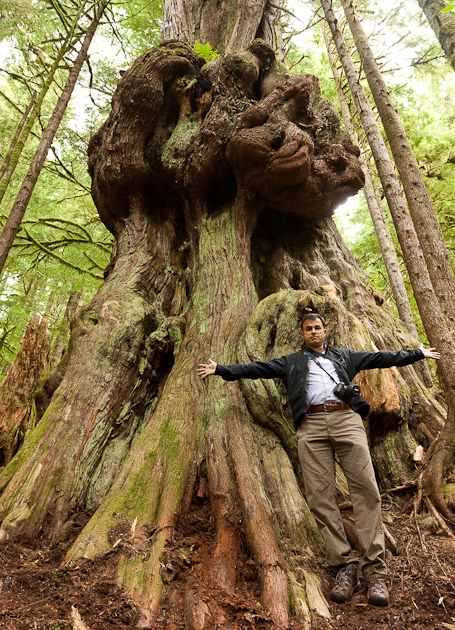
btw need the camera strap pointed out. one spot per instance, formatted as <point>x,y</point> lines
<point>313,358</point>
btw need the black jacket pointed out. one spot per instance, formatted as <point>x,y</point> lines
<point>293,370</point>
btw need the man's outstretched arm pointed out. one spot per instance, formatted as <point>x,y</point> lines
<point>274,368</point>
<point>206,369</point>
<point>367,360</point>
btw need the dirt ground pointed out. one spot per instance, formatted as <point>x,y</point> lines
<point>38,591</point>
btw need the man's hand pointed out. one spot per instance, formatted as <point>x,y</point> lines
<point>430,353</point>
<point>206,369</point>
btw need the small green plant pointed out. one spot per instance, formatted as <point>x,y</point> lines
<point>205,51</point>
<point>60,575</point>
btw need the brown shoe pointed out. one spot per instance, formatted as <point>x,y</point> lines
<point>346,583</point>
<point>378,593</point>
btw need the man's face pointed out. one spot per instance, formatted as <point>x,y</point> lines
<point>314,334</point>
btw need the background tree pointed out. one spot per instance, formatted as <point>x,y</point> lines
<point>49,59</point>
<point>63,237</point>
<point>424,217</point>
<point>376,211</point>
<point>16,215</point>
<point>443,24</point>
<point>419,81</point>
<point>434,318</point>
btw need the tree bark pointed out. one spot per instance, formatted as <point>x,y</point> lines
<point>426,223</point>
<point>229,28</point>
<point>60,342</point>
<point>16,215</point>
<point>443,24</point>
<point>19,385</point>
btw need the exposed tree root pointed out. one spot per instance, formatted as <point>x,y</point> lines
<point>224,508</point>
<point>76,620</point>
<point>261,536</point>
<point>435,470</point>
<point>445,528</point>
<point>392,543</point>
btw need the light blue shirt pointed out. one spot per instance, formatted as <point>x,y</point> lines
<point>319,385</point>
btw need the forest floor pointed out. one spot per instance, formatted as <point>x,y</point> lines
<point>37,590</point>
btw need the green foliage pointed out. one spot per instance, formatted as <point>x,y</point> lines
<point>134,28</point>
<point>448,9</point>
<point>205,51</point>
<point>313,61</point>
<point>17,15</point>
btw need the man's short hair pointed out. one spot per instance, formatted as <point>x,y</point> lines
<point>311,317</point>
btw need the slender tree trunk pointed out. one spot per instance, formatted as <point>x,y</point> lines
<point>424,217</point>
<point>433,318</point>
<point>34,294</point>
<point>18,132</point>
<point>443,24</point>
<point>27,128</point>
<point>16,215</point>
<point>377,212</point>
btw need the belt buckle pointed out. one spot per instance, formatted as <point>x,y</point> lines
<point>328,404</point>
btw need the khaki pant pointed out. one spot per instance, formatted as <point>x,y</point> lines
<point>320,436</point>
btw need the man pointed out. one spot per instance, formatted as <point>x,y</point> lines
<point>328,419</point>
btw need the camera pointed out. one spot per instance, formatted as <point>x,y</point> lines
<point>346,392</point>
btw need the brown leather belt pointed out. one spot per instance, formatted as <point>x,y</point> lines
<point>329,406</point>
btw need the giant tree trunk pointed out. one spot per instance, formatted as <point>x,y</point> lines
<point>443,24</point>
<point>220,219</point>
<point>228,28</point>
<point>218,181</point>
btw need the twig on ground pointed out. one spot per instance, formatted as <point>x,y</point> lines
<point>34,603</point>
<point>391,540</point>
<point>444,571</point>
<point>417,503</point>
<point>406,486</point>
